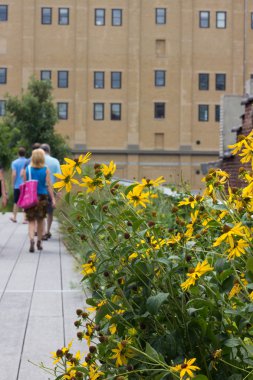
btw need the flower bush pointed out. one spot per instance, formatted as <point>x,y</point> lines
<point>170,278</point>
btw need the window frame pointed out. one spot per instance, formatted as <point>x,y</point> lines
<point>4,75</point>
<point>96,79</point>
<point>156,111</point>
<point>60,16</point>
<point>164,16</point>
<point>217,113</point>
<point>96,17</point>
<point>5,13</point>
<point>117,80</point>
<point>45,71</point>
<point>66,112</point>
<point>95,111</point>
<point>201,87</point>
<point>120,17</point>
<point>115,112</point>
<point>43,16</point>
<point>216,82</point>
<point>64,80</point>
<point>2,108</point>
<point>202,112</point>
<point>201,25</point>
<point>156,81</point>
<point>251,20</point>
<point>225,20</point>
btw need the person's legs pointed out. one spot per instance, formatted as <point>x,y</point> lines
<point>16,193</point>
<point>31,230</point>
<point>49,223</point>
<point>39,232</point>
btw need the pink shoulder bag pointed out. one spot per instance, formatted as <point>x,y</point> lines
<point>28,192</point>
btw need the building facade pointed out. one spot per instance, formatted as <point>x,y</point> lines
<point>136,81</point>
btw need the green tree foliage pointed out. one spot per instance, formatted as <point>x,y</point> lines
<point>33,115</point>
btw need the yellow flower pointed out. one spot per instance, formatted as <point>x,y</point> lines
<point>235,290</point>
<point>238,249</point>
<point>228,234</point>
<point>122,353</point>
<point>66,349</point>
<point>197,272</point>
<point>186,368</point>
<point>174,239</point>
<point>70,375</point>
<point>94,372</point>
<point>66,178</point>
<point>251,296</point>
<point>108,171</point>
<point>242,140</point>
<point>188,201</point>
<point>88,269</point>
<point>113,328</point>
<point>76,163</point>
<point>133,256</point>
<point>56,357</point>
<point>91,183</point>
<point>247,153</point>
<point>147,183</point>
<point>136,197</point>
<point>132,331</point>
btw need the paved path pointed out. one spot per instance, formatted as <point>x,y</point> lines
<point>39,293</point>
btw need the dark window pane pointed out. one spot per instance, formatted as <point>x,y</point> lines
<point>116,111</point>
<point>220,20</point>
<point>116,79</point>
<point>217,113</point>
<point>3,75</point>
<point>45,75</point>
<point>99,16</point>
<point>63,16</point>
<point>159,78</point>
<point>159,110</point>
<point>116,17</point>
<point>62,111</point>
<point>251,20</point>
<point>204,19</point>
<point>46,16</point>
<point>3,12</point>
<point>63,79</point>
<point>221,82</point>
<point>2,107</point>
<point>203,81</point>
<point>203,112</point>
<point>98,111</point>
<point>160,16</point>
<point>98,79</point>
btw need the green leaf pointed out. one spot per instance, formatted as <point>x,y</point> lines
<point>154,302</point>
<point>67,198</point>
<point>232,342</point>
<point>151,352</point>
<point>250,264</point>
<point>200,377</point>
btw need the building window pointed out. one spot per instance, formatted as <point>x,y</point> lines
<point>3,75</point>
<point>221,18</point>
<point>45,75</point>
<point>99,16</point>
<point>115,111</point>
<point>2,107</point>
<point>160,48</point>
<point>62,111</point>
<point>63,16</point>
<point>160,78</point>
<point>220,82</point>
<point>3,13</point>
<point>99,81</point>
<point>159,110</point>
<point>251,20</point>
<point>46,16</point>
<point>217,112</point>
<point>203,112</point>
<point>116,79</point>
<point>203,82</point>
<point>160,16</point>
<point>204,19</point>
<point>98,111</point>
<point>116,17</point>
<point>63,79</point>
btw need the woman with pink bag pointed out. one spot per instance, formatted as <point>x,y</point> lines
<point>36,214</point>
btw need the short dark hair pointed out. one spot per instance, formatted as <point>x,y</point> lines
<point>46,148</point>
<point>21,151</point>
<point>35,146</point>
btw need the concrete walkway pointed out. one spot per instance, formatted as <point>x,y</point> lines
<point>39,293</point>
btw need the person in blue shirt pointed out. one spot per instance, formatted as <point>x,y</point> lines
<point>35,215</point>
<point>17,179</point>
<point>54,167</point>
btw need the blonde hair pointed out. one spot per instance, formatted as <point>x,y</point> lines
<point>38,158</point>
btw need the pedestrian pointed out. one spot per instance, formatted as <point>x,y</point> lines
<point>36,214</point>
<point>54,167</point>
<point>17,179</point>
<point>3,193</point>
